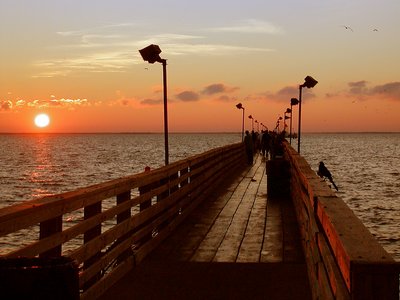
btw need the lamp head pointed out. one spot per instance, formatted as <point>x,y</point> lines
<point>250,117</point>
<point>151,54</point>
<point>294,101</point>
<point>309,82</point>
<point>288,110</point>
<point>239,106</point>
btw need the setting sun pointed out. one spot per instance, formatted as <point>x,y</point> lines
<point>42,120</point>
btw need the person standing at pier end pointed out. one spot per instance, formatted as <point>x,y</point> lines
<point>265,141</point>
<point>248,142</point>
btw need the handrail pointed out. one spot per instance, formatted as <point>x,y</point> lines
<point>344,260</point>
<point>115,224</point>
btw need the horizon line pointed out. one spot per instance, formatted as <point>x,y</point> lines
<point>192,132</point>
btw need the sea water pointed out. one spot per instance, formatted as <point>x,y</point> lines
<point>365,167</point>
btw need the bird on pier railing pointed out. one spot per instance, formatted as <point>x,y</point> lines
<point>324,172</point>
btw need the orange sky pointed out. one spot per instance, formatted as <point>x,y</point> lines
<point>80,64</point>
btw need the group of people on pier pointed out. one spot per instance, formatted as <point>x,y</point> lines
<point>266,143</point>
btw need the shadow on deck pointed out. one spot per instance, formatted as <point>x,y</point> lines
<point>236,245</point>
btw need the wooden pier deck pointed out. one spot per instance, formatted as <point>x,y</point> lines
<point>238,244</point>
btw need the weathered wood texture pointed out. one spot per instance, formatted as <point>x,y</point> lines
<point>344,260</point>
<point>238,244</point>
<point>117,223</point>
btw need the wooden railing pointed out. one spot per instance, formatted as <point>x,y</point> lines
<point>344,260</point>
<point>110,227</point>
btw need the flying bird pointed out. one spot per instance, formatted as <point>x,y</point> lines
<point>348,27</point>
<point>324,172</point>
<point>375,29</point>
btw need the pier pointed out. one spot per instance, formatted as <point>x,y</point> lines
<point>209,226</point>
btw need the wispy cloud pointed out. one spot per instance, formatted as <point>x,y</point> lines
<point>113,48</point>
<point>251,26</point>
<point>10,105</point>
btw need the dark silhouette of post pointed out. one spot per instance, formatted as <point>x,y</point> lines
<point>293,102</point>
<point>240,106</point>
<point>309,82</point>
<point>252,122</point>
<point>152,54</point>
<point>164,63</point>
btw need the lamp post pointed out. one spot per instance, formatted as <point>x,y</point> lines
<point>288,111</point>
<point>258,125</point>
<point>263,126</point>
<point>309,82</point>
<point>278,122</point>
<point>252,122</point>
<point>293,102</point>
<point>240,106</point>
<point>151,54</point>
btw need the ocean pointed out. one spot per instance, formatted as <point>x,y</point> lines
<point>365,167</point>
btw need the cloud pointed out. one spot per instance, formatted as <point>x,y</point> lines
<point>187,96</point>
<point>251,26</point>
<point>6,105</point>
<point>288,92</point>
<point>40,103</point>
<point>205,49</point>
<point>110,48</point>
<point>358,87</point>
<point>218,88</point>
<point>226,98</point>
<point>389,90</point>
<point>151,102</point>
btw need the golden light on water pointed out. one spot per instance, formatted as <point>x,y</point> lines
<point>42,120</point>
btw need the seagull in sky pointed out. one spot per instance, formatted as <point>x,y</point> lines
<point>348,27</point>
<point>375,29</point>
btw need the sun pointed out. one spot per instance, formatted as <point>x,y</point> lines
<point>42,120</point>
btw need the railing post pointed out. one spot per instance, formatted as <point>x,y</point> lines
<point>90,211</point>
<point>48,228</point>
<point>125,215</point>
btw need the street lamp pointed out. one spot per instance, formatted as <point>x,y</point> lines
<point>309,82</point>
<point>240,106</point>
<point>252,122</point>
<point>278,122</point>
<point>293,102</point>
<point>258,125</point>
<point>152,54</point>
<point>263,126</point>
<point>288,111</point>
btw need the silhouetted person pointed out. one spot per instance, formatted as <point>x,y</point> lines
<point>265,141</point>
<point>324,172</point>
<point>248,142</point>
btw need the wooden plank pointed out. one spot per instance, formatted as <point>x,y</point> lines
<point>336,282</point>
<point>350,240</point>
<point>272,250</point>
<point>251,247</point>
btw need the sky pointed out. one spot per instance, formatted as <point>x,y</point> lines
<point>78,62</point>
